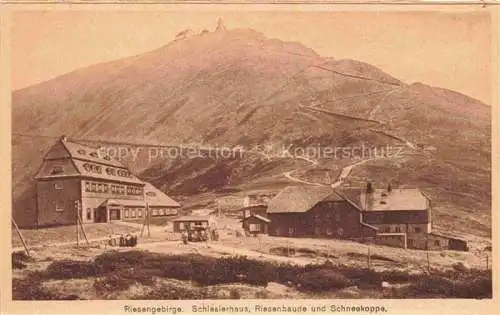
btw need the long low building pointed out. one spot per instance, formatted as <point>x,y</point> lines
<point>393,217</point>
<point>77,180</point>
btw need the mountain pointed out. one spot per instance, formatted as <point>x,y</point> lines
<point>238,87</point>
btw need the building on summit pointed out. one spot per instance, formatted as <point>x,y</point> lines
<point>76,180</point>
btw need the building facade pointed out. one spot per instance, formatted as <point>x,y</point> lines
<point>256,224</point>
<point>393,217</point>
<point>77,181</point>
<point>300,211</point>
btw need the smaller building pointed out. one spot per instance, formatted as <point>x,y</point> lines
<point>260,210</point>
<point>189,223</point>
<point>256,224</point>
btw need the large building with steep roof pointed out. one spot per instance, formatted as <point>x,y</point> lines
<point>316,211</point>
<point>75,179</point>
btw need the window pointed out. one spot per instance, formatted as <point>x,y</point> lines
<point>93,187</point>
<point>155,211</point>
<point>329,231</point>
<point>57,170</point>
<point>397,229</point>
<point>106,188</point>
<point>254,227</point>
<point>58,186</point>
<point>89,214</point>
<point>59,205</point>
<point>139,213</point>
<point>291,231</point>
<point>418,230</point>
<point>437,243</point>
<point>411,242</point>
<point>317,231</point>
<point>87,186</point>
<point>99,188</point>
<point>133,213</point>
<point>337,217</point>
<point>387,229</point>
<point>125,213</point>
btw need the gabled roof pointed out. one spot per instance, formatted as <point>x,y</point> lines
<point>155,197</point>
<point>81,152</point>
<point>297,199</point>
<point>261,218</point>
<point>78,159</point>
<point>401,199</point>
<point>104,174</point>
<point>124,202</point>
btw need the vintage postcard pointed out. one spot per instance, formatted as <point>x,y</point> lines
<point>251,158</point>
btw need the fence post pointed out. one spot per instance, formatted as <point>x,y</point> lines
<point>21,237</point>
<point>77,208</point>
<point>369,258</point>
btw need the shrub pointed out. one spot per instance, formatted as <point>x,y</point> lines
<point>432,286</point>
<point>118,281</point>
<point>67,269</point>
<point>234,294</point>
<point>31,288</point>
<point>167,292</point>
<point>322,280</point>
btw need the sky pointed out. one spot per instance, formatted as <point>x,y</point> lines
<point>446,49</point>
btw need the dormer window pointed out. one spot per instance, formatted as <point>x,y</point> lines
<point>382,202</point>
<point>57,170</point>
<point>58,186</point>
<point>151,194</point>
<point>81,151</point>
<point>384,195</point>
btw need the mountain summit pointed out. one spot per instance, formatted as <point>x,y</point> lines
<point>220,25</point>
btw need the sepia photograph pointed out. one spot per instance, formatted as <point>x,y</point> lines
<point>251,154</point>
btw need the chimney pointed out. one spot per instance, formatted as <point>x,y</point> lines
<point>64,138</point>
<point>369,188</point>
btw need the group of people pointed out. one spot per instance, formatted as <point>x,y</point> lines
<point>199,235</point>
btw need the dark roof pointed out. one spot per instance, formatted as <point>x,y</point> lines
<point>80,166</point>
<point>259,217</point>
<point>297,199</point>
<point>401,199</point>
<point>157,198</point>
<point>82,152</point>
<point>124,202</point>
